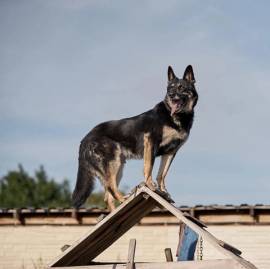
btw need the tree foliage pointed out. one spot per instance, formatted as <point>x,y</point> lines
<point>96,199</point>
<point>18,189</point>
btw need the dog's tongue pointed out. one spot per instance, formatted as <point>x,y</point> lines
<point>174,107</point>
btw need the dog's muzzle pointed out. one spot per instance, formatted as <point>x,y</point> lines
<point>177,104</point>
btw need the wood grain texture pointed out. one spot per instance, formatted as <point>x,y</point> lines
<point>211,264</point>
<point>131,254</point>
<point>198,229</point>
<point>107,231</point>
<point>168,254</point>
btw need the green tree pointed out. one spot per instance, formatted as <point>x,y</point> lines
<point>96,199</point>
<point>18,189</point>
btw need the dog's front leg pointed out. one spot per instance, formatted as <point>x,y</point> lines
<point>149,159</point>
<point>165,163</point>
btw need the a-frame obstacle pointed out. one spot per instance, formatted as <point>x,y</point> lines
<point>141,202</point>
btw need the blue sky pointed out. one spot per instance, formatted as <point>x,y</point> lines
<point>67,65</point>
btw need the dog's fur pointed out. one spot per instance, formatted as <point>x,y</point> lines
<point>160,131</point>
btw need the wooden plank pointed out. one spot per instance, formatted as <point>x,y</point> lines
<point>107,231</point>
<point>98,244</point>
<point>74,251</point>
<point>159,220</point>
<point>131,254</point>
<point>168,254</point>
<point>119,232</point>
<point>231,248</point>
<point>209,264</point>
<point>9,221</point>
<point>227,218</point>
<point>89,220</point>
<point>50,220</point>
<point>196,221</point>
<point>199,230</point>
<point>216,215</point>
<point>264,218</point>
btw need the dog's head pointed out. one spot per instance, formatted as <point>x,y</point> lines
<point>181,93</point>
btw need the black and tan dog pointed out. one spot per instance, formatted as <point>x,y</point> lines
<point>160,131</point>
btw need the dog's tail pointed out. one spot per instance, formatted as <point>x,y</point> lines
<point>84,186</point>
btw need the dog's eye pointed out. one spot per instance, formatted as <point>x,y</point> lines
<point>172,91</point>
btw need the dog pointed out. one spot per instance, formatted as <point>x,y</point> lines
<point>160,131</point>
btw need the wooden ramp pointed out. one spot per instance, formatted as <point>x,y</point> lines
<point>113,226</point>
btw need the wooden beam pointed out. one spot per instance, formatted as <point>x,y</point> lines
<point>131,254</point>
<point>227,218</point>
<point>168,254</point>
<point>198,229</point>
<point>113,226</point>
<point>107,231</point>
<point>210,264</point>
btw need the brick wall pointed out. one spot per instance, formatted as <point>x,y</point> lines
<point>35,246</point>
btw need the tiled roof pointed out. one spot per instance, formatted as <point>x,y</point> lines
<point>210,214</point>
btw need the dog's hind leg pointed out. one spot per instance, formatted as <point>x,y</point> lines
<point>109,200</point>
<point>110,189</point>
<point>114,174</point>
<point>113,180</point>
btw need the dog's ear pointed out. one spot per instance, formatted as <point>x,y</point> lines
<point>189,75</point>
<point>171,74</point>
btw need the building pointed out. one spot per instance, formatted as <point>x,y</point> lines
<point>31,238</point>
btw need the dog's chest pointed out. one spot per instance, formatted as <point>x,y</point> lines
<point>172,138</point>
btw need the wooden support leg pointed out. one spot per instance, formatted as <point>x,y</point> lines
<point>168,254</point>
<point>131,254</point>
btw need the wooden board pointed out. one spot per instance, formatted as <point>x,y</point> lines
<point>107,231</point>
<point>168,254</point>
<point>211,264</point>
<point>131,254</point>
<point>201,231</point>
<point>139,204</point>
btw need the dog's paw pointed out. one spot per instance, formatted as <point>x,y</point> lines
<point>126,196</point>
<point>165,194</point>
<point>163,189</point>
<point>122,199</point>
<point>151,185</point>
<point>168,196</point>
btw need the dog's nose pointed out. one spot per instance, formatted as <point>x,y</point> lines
<point>184,98</point>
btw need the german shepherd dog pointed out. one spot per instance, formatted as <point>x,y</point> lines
<point>160,131</point>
